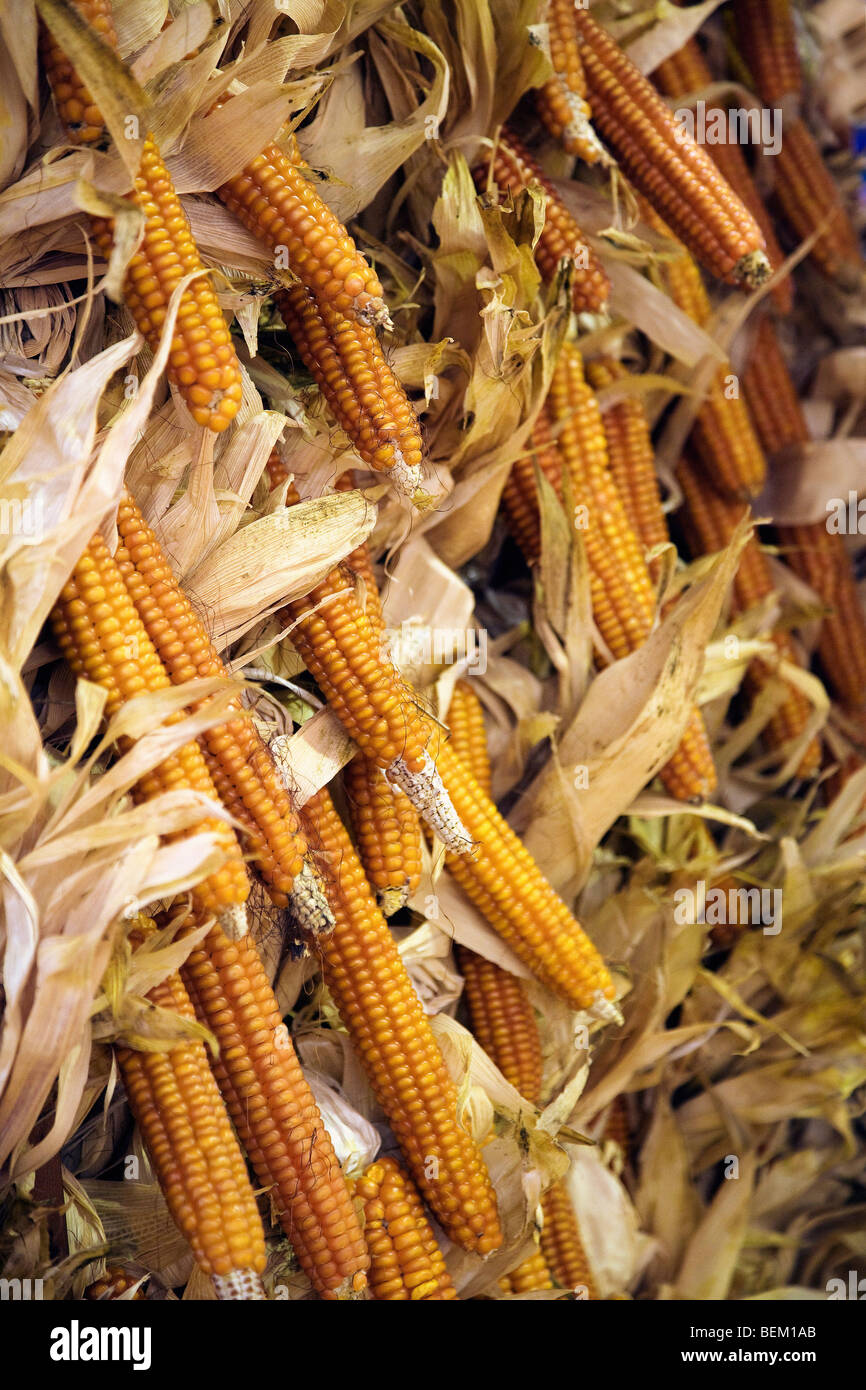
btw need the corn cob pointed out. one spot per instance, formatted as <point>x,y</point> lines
<point>406,1264</point>
<point>532,1274</point>
<point>202,361</point>
<point>561,1244</point>
<point>275,200</point>
<point>768,42</point>
<point>103,638</point>
<point>339,646</point>
<point>114,1282</point>
<point>503,1021</point>
<point>387,832</point>
<point>617,1127</point>
<point>561,103</point>
<point>239,762</point>
<point>274,1113</point>
<point>665,164</point>
<point>723,434</point>
<point>195,1154</point>
<point>506,885</point>
<point>347,362</point>
<point>468,734</point>
<point>685,73</point>
<point>520,495</point>
<point>712,521</point>
<point>817,555</point>
<point>76,108</point>
<point>369,984</point>
<point>808,198</point>
<point>632,460</point>
<point>276,470</point>
<point>622,594</point>
<point>512,169</point>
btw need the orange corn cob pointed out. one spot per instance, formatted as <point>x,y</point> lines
<point>767,39</point>
<point>506,885</point>
<point>202,361</point>
<point>817,555</point>
<point>367,401</point>
<point>532,1274</point>
<point>274,1113</point>
<point>503,1021</point>
<point>114,1282</point>
<point>468,733</point>
<point>339,645</point>
<point>195,1154</point>
<point>808,198</point>
<point>276,470</point>
<point>622,594</point>
<point>561,103</point>
<point>239,762</point>
<point>387,831</point>
<point>712,521</point>
<point>671,170</point>
<point>685,73</point>
<point>617,1126</point>
<point>277,202</point>
<point>103,638</point>
<point>520,495</point>
<point>561,1244</point>
<point>513,168</point>
<point>81,117</point>
<point>391,1033</point>
<point>632,460</point>
<point>406,1264</point>
<point>723,434</point>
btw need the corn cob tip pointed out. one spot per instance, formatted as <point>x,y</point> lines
<point>603,1009</point>
<point>233,920</point>
<point>392,899</point>
<point>240,1286</point>
<point>426,790</point>
<point>405,476</point>
<point>308,906</point>
<point>753,270</point>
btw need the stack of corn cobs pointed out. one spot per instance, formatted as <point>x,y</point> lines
<point>234,1135</point>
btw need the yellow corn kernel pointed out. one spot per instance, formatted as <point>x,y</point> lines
<point>561,1244</point>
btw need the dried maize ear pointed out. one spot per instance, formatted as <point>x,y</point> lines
<point>338,644</point>
<point>195,1154</point>
<point>513,169</point>
<point>406,1264</point>
<point>377,1003</point>
<point>242,768</point>
<point>770,393</point>
<point>665,164</point>
<point>346,360</point>
<point>387,832</point>
<point>81,117</point>
<point>202,361</point>
<point>276,470</point>
<point>561,1244</point>
<point>808,199</point>
<point>468,733</point>
<point>712,521</point>
<point>632,460</point>
<point>622,594</point>
<point>520,494</point>
<point>561,103</point>
<point>767,39</point>
<point>503,1021</point>
<point>529,1276</point>
<point>275,1115</point>
<point>276,200</point>
<point>507,886</point>
<point>685,73</point>
<point>102,637</point>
